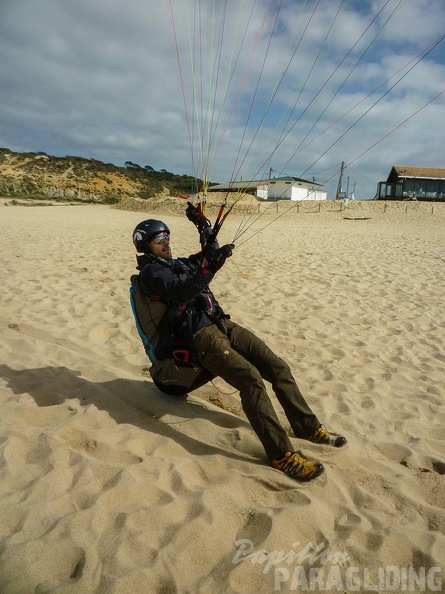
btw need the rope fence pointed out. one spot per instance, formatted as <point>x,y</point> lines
<point>358,206</point>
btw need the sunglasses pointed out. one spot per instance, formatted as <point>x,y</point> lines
<point>161,238</point>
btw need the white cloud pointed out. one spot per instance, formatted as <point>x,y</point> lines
<point>100,79</point>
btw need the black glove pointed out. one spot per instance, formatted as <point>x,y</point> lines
<point>192,214</point>
<point>217,258</point>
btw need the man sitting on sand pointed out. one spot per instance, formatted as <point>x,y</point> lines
<point>194,325</point>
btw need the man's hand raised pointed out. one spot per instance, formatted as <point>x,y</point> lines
<point>193,215</point>
<point>217,258</point>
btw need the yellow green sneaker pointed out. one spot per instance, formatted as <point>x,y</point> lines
<point>323,437</point>
<point>297,467</point>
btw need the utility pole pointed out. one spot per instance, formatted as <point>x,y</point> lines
<point>339,186</point>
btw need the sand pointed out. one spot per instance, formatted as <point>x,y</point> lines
<point>107,485</point>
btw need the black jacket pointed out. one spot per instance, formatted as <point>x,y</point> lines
<point>183,285</point>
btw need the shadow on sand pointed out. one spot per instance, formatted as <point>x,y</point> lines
<point>138,403</point>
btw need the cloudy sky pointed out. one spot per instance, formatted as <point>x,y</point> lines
<point>229,88</point>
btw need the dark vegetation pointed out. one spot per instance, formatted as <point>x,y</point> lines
<point>39,175</point>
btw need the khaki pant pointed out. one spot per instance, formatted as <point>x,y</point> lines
<point>244,361</point>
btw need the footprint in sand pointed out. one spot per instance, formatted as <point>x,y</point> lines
<point>347,523</point>
<point>101,451</point>
<point>49,563</point>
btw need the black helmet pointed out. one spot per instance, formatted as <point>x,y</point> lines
<point>145,231</point>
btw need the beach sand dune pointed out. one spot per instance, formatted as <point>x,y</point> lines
<point>109,486</point>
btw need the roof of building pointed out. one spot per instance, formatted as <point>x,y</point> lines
<point>293,179</point>
<point>253,184</point>
<point>416,172</point>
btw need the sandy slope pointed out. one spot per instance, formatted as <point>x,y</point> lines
<point>108,486</point>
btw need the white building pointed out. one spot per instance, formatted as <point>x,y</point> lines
<point>276,188</point>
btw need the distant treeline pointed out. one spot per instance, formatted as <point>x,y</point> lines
<point>39,167</point>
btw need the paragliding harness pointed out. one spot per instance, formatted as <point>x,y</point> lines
<point>181,373</point>
<point>177,375</point>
